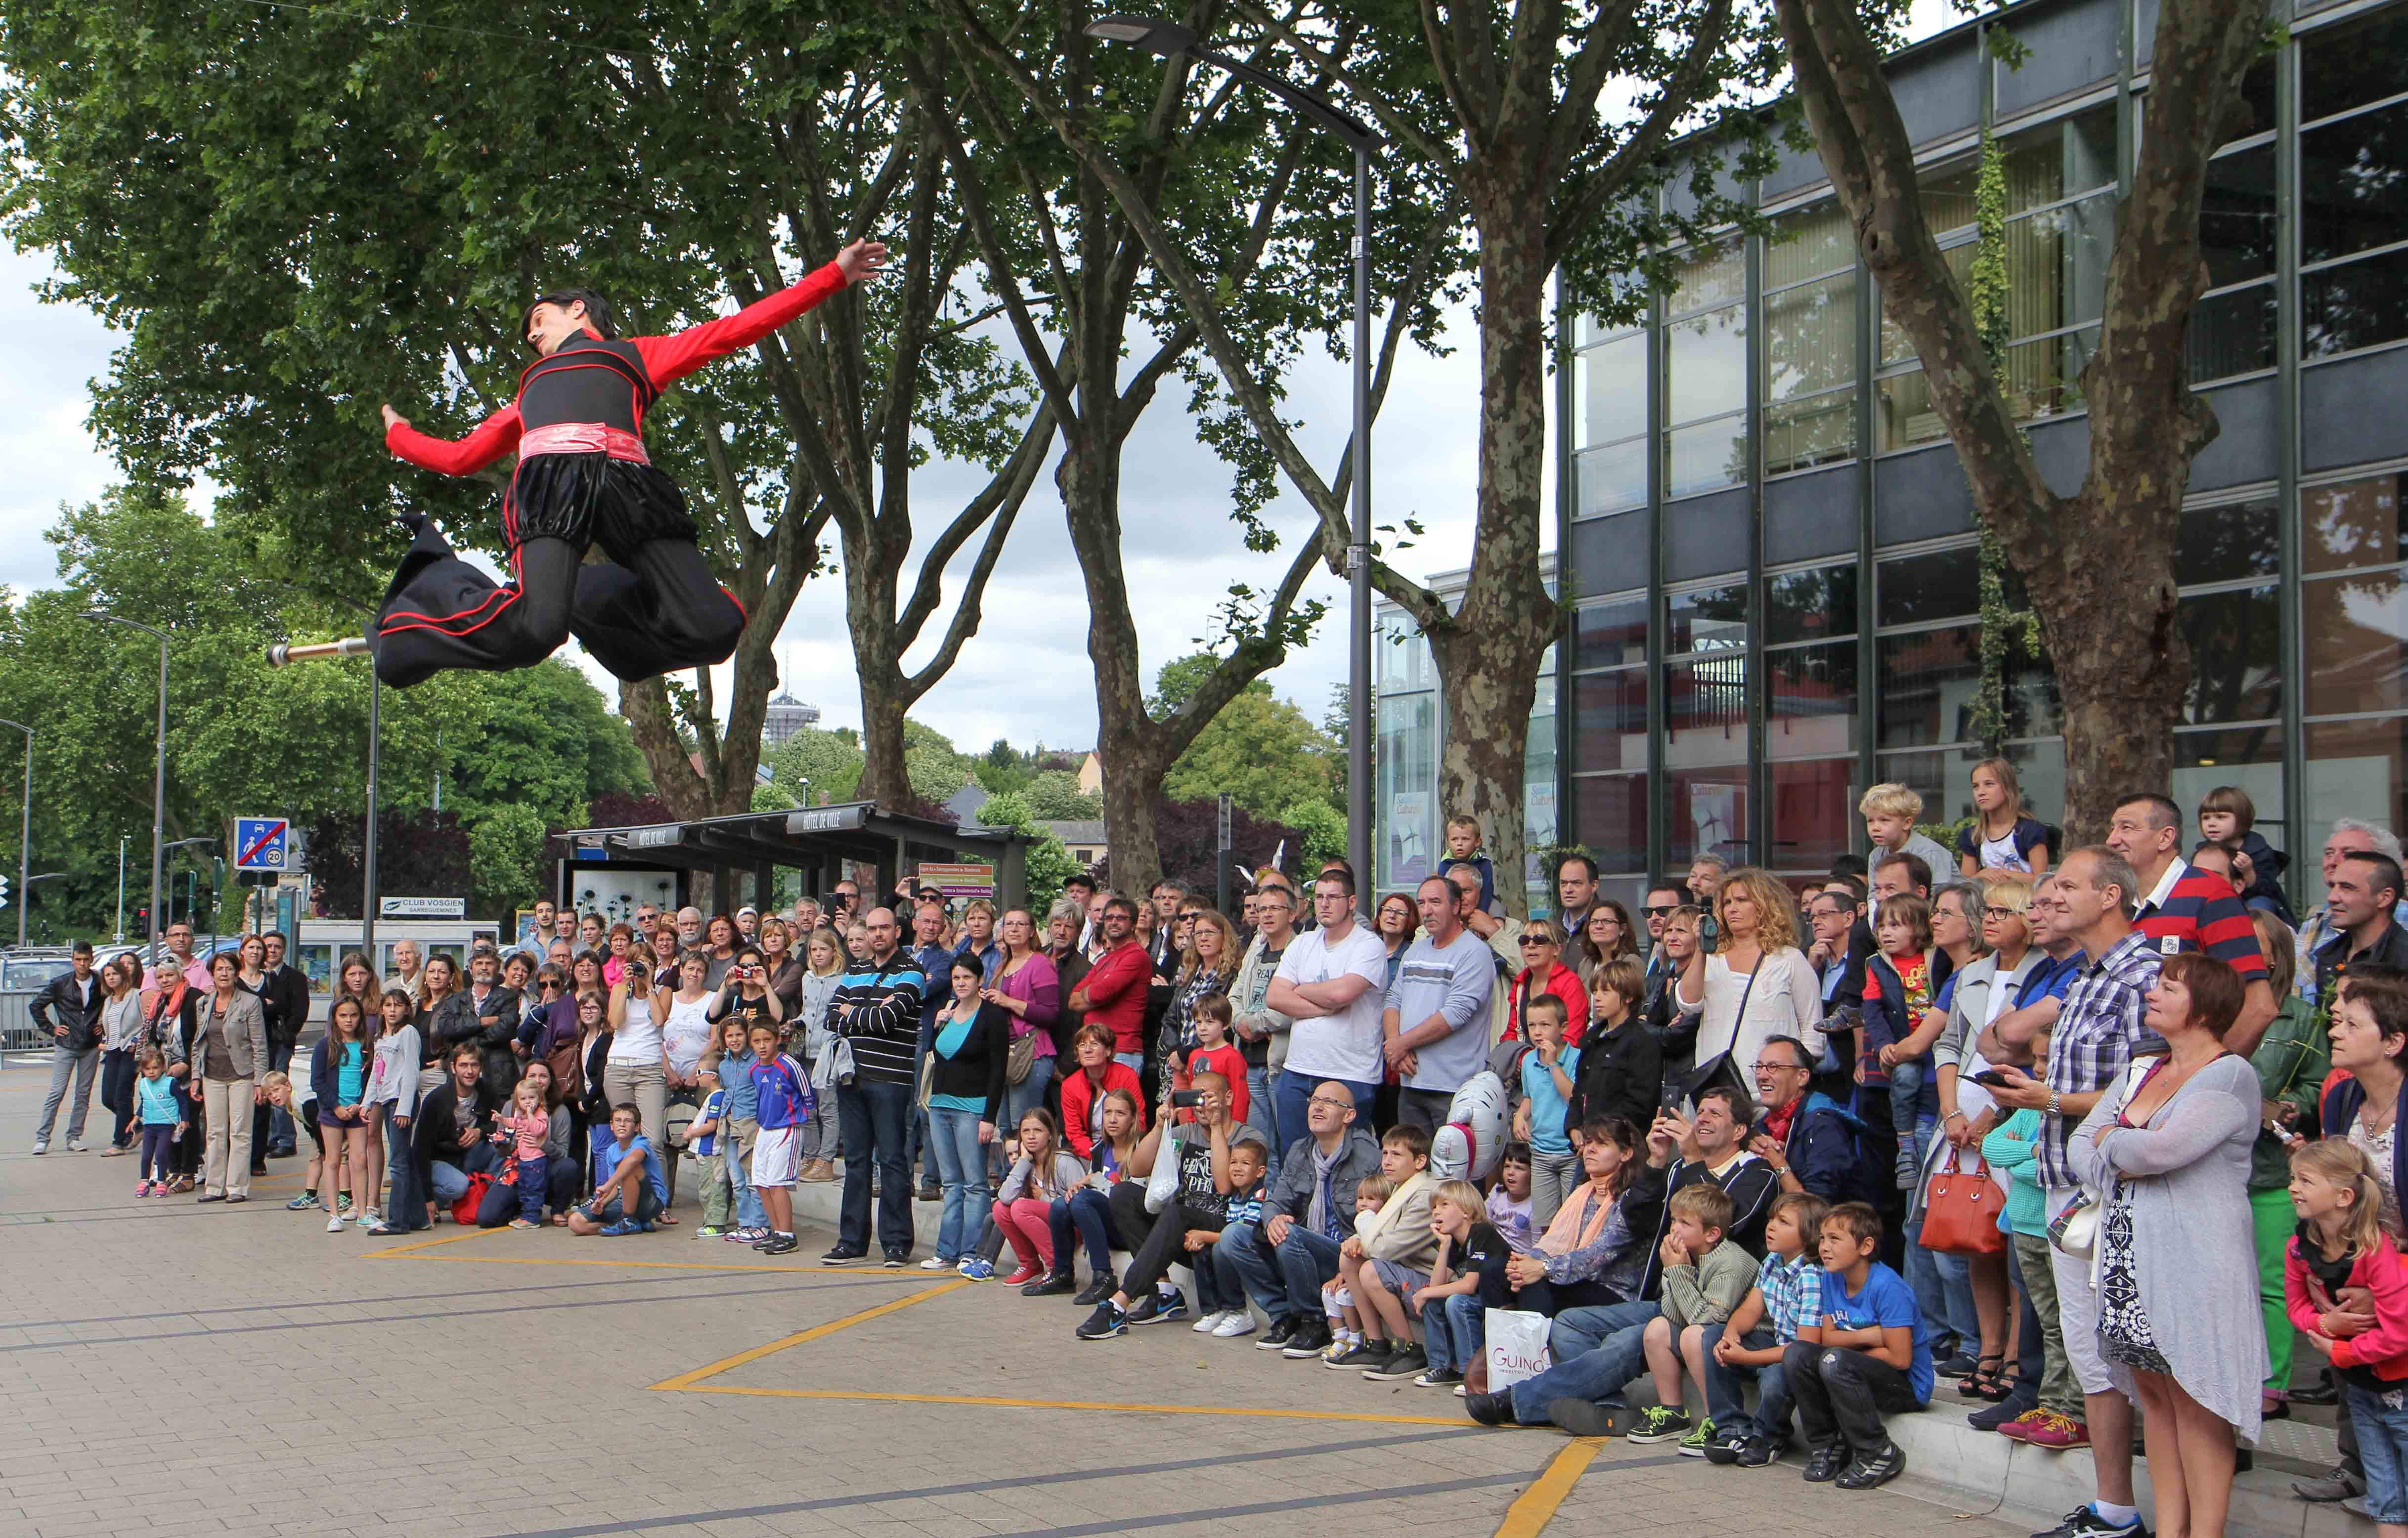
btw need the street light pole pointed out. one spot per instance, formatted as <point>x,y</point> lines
<point>368,857</point>
<point>1169,38</point>
<point>159,779</point>
<point>25,835</point>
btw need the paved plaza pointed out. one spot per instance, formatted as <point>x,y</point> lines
<point>172,1368</point>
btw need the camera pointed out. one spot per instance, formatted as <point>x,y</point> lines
<point>1186,1099</point>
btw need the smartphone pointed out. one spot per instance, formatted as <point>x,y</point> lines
<point>1992,1078</point>
<point>1186,1100</point>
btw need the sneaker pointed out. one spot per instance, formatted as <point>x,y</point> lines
<point>1022,1276</point>
<point>2086,1522</point>
<point>1490,1409</point>
<point>1910,1172</point>
<point>1310,1339</point>
<point>42,1146</point>
<point>1409,1362</point>
<point>1239,1323</point>
<point>712,1231</point>
<point>747,1236</point>
<point>302,1202</point>
<point>142,1187</point>
<point>1161,1308</point>
<point>1998,1416</point>
<point>1212,1321</point>
<point>1102,1284</point>
<point>1758,1452</point>
<point>2057,1433</point>
<point>1960,1366</point>
<point>978,1268</point>
<point>1056,1286</point>
<point>624,1227</point>
<point>1104,1323</point>
<point>896,1259</point>
<point>779,1243</point>
<point>1700,1436</point>
<point>334,1225</point>
<point>2340,1484</point>
<point>1657,1424</point>
<point>1440,1377</point>
<point>75,1145</point>
<point>1724,1450</point>
<point>934,1263</point>
<point>523,1223</point>
<point>1825,1464</point>
<point>1878,1467</point>
<point>1359,1358</point>
<point>1283,1329</point>
<point>843,1256</point>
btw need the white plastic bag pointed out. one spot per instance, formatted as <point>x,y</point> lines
<point>1517,1347</point>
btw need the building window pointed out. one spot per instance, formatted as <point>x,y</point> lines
<point>2352,160</point>
<point>1904,414</point>
<point>1705,373</point>
<point>2233,326</point>
<point>1809,341</point>
<point>1408,781</point>
<point>1609,404</point>
<point>1705,683</point>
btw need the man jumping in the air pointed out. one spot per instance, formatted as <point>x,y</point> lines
<point>582,479</point>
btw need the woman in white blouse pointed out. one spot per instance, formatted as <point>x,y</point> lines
<point>1758,984</point>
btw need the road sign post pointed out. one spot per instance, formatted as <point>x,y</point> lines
<point>263,844</point>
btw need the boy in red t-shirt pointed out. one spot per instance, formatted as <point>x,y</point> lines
<point>1897,991</point>
<point>1213,1054</point>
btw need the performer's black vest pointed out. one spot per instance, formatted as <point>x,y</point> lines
<point>587,380</point>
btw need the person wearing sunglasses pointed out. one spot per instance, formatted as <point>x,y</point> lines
<point>1662,898</point>
<point>582,476</point>
<point>1544,972</point>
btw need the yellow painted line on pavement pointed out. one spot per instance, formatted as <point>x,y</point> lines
<point>395,1251</point>
<point>1535,1507</point>
<point>410,1252</point>
<point>687,1380</point>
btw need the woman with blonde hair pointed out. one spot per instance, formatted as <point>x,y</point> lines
<point>1758,984</point>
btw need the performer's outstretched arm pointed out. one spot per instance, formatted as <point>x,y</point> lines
<point>671,358</point>
<point>497,435</point>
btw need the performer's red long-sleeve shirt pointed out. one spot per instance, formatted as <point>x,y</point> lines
<point>667,359</point>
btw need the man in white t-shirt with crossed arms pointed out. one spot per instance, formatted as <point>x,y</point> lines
<point>1333,982</point>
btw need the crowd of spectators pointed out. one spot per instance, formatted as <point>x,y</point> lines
<point>2057,1131</point>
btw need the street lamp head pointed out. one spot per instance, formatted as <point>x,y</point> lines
<point>1146,31</point>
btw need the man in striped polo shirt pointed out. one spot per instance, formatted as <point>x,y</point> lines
<point>2183,908</point>
<point>876,1010</point>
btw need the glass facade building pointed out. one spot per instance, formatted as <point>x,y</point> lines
<point>1767,544</point>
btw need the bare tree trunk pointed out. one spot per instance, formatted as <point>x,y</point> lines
<point>884,777</point>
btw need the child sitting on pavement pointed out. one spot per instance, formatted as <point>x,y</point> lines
<point>1788,1291</point>
<point>1220,1292</point>
<point>1467,1280</point>
<point>1512,1202</point>
<point>1337,1298</point>
<point>629,1189</point>
<point>1868,1355</point>
<point>1705,1278</point>
<point>1387,1260</point>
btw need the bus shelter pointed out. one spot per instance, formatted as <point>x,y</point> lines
<point>612,871</point>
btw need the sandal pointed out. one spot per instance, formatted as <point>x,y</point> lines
<point>1986,1381</point>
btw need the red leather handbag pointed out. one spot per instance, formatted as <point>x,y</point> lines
<point>1961,1207</point>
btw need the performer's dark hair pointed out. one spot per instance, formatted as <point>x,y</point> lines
<point>597,309</point>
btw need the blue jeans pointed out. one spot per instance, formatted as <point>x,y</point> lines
<point>533,1178</point>
<point>1598,1350</point>
<point>1133,1062</point>
<point>2382,1426</point>
<point>749,1213</point>
<point>1089,1212</point>
<point>1294,1090</point>
<point>871,1115</point>
<point>1943,1288</point>
<point>451,1181</point>
<point>1020,1099</point>
<point>1218,1287</point>
<point>1305,1260</point>
<point>1454,1330</point>
<point>1723,1401</point>
<point>961,1165</point>
<point>405,1210</point>
<point>1263,1115</point>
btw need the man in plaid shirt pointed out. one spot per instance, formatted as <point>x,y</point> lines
<point>2098,1033</point>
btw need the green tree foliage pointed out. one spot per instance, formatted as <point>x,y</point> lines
<point>1055,796</point>
<point>245,739</point>
<point>937,769</point>
<point>505,851</point>
<point>1049,861</point>
<point>1260,749</point>
<point>1324,828</point>
<point>819,765</point>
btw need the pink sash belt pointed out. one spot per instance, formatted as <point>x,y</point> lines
<point>582,438</point>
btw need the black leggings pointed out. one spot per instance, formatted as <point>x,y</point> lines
<point>1158,1239</point>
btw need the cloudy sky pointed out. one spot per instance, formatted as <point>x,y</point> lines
<point>1024,676</point>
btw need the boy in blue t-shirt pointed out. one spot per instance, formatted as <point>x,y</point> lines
<point>629,1189</point>
<point>1867,1353</point>
<point>1549,1069</point>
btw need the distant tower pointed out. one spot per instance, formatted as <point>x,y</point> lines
<point>786,716</point>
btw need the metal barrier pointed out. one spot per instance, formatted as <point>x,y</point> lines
<point>18,1032</point>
